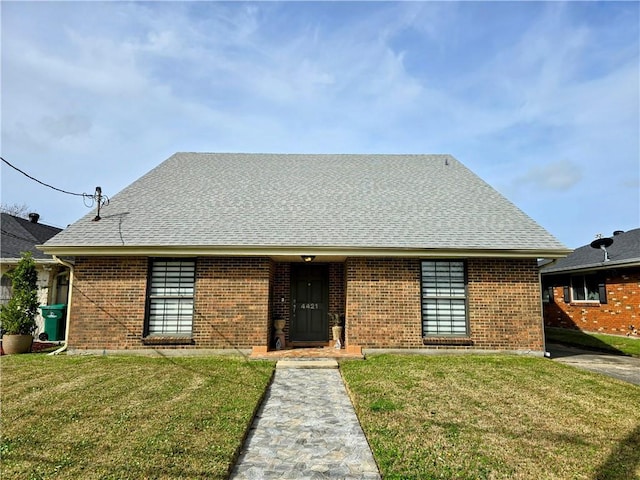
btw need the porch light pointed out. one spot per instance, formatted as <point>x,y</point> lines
<point>308,258</point>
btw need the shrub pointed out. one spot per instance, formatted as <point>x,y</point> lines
<point>18,316</point>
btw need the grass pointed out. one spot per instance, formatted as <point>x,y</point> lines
<point>125,417</point>
<point>597,341</point>
<point>426,417</point>
<point>494,417</point>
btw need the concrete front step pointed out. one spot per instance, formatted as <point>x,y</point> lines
<point>307,363</point>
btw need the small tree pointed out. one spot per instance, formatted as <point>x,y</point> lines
<point>15,209</point>
<point>18,316</point>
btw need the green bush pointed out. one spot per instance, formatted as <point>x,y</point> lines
<point>18,316</point>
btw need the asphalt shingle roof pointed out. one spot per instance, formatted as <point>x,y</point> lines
<point>260,200</point>
<point>625,249</point>
<point>21,235</point>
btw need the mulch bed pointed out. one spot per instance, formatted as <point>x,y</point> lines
<point>37,347</point>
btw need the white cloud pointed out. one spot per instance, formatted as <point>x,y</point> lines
<point>559,175</point>
<point>120,86</point>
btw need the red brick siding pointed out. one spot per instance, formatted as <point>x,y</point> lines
<point>109,297</point>
<point>234,296</point>
<point>336,292</point>
<point>232,302</point>
<point>504,304</point>
<point>383,304</point>
<point>108,302</point>
<point>282,294</point>
<point>621,311</point>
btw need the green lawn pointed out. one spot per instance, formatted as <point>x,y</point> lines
<point>125,417</point>
<point>494,417</point>
<point>453,417</point>
<point>597,341</point>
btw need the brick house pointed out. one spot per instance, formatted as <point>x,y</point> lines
<point>206,250</point>
<point>593,292</point>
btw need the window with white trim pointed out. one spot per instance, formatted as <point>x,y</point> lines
<point>587,288</point>
<point>170,297</point>
<point>444,298</point>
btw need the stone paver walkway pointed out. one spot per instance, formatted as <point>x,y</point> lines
<point>306,428</point>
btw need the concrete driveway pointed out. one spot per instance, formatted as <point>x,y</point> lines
<point>616,366</point>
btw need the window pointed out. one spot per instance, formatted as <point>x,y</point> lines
<point>587,288</point>
<point>444,298</point>
<point>170,297</point>
<point>62,287</point>
<point>5,289</point>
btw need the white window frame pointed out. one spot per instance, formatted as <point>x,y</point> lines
<point>170,297</point>
<point>583,287</point>
<point>444,298</point>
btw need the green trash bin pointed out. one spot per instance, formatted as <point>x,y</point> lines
<point>54,321</point>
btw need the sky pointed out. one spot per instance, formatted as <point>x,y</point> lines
<point>540,99</point>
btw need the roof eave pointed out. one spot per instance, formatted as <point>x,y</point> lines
<point>38,261</point>
<point>633,262</point>
<point>280,251</point>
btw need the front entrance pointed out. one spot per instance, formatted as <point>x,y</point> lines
<point>309,304</point>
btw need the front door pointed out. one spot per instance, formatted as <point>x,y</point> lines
<point>309,303</point>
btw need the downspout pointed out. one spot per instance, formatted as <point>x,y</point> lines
<point>544,340</point>
<point>68,319</point>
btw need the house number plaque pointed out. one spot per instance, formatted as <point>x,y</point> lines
<point>309,306</point>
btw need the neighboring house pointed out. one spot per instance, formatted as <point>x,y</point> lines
<point>588,292</point>
<point>22,235</point>
<point>205,250</point>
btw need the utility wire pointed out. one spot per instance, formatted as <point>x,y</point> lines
<point>42,183</point>
<point>97,198</point>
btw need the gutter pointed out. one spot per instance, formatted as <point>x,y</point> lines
<point>591,267</point>
<point>281,252</point>
<point>544,339</point>
<point>68,319</point>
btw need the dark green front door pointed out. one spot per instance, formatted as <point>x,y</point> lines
<point>310,303</point>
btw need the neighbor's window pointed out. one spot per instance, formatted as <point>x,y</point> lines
<point>5,289</point>
<point>170,300</point>
<point>444,298</point>
<point>588,288</point>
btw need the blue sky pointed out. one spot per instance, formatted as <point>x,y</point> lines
<point>542,100</point>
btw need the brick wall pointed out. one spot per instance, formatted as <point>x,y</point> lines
<point>232,302</point>
<point>504,304</point>
<point>109,296</point>
<point>383,304</point>
<point>234,297</point>
<point>282,294</point>
<point>621,311</point>
<point>108,302</point>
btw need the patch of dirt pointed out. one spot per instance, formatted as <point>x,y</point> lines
<point>36,347</point>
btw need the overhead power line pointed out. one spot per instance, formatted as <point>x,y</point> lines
<point>42,183</point>
<point>97,198</point>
